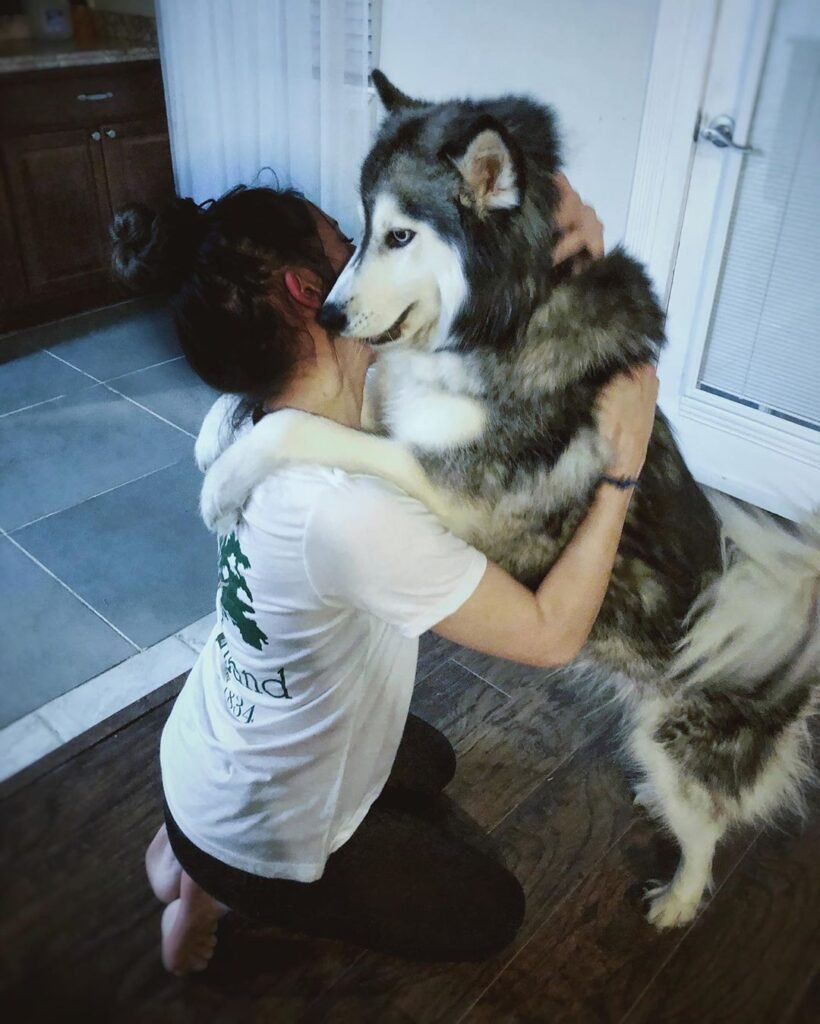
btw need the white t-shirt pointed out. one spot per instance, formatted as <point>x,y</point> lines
<point>287,727</point>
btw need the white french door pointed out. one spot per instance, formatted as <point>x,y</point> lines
<point>740,379</point>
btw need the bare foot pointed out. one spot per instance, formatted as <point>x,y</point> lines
<point>162,867</point>
<point>189,929</point>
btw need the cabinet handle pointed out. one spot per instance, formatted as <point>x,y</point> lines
<point>94,97</point>
<point>96,136</point>
<point>111,133</point>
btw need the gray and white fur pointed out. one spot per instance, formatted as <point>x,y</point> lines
<point>490,365</point>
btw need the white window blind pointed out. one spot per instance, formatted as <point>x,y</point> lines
<point>360,26</point>
<point>254,86</point>
<point>764,341</point>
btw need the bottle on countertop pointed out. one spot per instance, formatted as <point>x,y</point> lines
<point>50,19</point>
<point>82,20</point>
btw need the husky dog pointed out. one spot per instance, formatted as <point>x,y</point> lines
<point>490,365</point>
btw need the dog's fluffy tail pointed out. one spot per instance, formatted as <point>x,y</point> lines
<point>759,624</point>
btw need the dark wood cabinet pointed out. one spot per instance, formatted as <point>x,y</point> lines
<point>137,163</point>
<point>61,183</point>
<point>57,190</point>
<point>12,281</point>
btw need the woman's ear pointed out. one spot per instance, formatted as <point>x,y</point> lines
<point>302,288</point>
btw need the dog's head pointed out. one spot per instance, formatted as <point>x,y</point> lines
<point>458,203</point>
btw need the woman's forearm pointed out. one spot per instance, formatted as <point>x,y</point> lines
<point>573,591</point>
<point>549,627</point>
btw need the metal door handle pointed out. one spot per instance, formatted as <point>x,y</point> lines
<point>96,136</point>
<point>94,97</point>
<point>111,133</point>
<point>720,132</point>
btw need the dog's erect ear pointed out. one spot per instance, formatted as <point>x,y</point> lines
<point>492,168</point>
<point>392,98</point>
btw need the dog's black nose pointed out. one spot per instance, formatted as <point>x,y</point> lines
<point>332,317</point>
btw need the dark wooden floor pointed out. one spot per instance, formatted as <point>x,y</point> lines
<point>79,933</point>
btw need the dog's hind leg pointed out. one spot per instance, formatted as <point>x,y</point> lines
<point>713,758</point>
<point>689,812</point>
<point>677,902</point>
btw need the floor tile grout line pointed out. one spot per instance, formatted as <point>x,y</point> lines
<point>86,687</point>
<point>142,369</point>
<point>60,359</point>
<point>41,713</point>
<point>34,405</point>
<point>91,497</point>
<point>56,398</point>
<point>97,380</point>
<point>63,584</point>
<point>68,319</point>
<point>151,412</point>
<point>102,738</point>
<point>118,376</point>
<point>114,391</point>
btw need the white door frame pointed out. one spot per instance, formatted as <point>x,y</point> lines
<point>681,51</point>
<point>727,445</point>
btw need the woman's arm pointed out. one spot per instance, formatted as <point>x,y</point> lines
<point>580,233</point>
<point>550,627</point>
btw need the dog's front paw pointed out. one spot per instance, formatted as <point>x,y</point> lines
<point>670,907</point>
<point>266,448</point>
<point>224,495</point>
<point>216,432</point>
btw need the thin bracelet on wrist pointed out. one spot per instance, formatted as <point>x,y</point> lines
<point>623,483</point>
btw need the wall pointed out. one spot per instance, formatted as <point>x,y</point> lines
<point>589,58</point>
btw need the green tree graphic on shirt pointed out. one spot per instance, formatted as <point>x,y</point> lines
<point>232,560</point>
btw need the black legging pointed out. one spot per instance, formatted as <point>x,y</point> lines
<point>417,878</point>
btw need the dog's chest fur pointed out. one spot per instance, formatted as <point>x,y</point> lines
<point>479,440</point>
<point>431,401</point>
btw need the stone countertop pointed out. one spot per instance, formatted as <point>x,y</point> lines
<point>36,55</point>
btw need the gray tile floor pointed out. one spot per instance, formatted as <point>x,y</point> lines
<point>102,552</point>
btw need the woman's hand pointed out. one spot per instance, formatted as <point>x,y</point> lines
<point>626,414</point>
<point>580,231</point>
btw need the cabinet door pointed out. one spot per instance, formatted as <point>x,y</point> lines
<point>58,190</point>
<point>138,163</point>
<point>12,280</point>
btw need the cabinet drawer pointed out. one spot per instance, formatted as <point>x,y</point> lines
<point>80,97</point>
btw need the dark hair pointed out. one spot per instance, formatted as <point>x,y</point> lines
<point>222,263</point>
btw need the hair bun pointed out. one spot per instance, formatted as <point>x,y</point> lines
<point>151,251</point>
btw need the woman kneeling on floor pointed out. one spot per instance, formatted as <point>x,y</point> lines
<point>298,790</point>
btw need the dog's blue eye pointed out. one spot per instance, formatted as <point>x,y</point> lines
<point>399,237</point>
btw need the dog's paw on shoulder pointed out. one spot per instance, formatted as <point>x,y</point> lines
<point>216,433</point>
<point>222,498</point>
